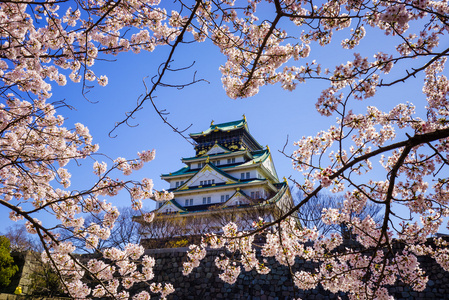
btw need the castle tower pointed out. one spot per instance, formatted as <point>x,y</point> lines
<point>230,178</point>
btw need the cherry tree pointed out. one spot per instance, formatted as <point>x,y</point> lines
<point>264,42</point>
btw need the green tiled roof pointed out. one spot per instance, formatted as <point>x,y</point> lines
<point>283,187</point>
<point>258,156</point>
<point>255,180</point>
<point>172,201</point>
<point>213,168</point>
<point>184,170</point>
<point>223,127</point>
<point>212,156</point>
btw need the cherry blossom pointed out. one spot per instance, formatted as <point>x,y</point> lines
<point>44,43</point>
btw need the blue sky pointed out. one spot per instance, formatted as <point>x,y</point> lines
<point>272,115</point>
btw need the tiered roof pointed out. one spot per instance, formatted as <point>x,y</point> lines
<point>283,188</point>
<point>231,135</point>
<point>221,141</point>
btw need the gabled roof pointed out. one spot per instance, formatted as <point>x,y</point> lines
<point>215,148</point>
<point>228,126</point>
<point>171,202</point>
<point>237,193</point>
<point>211,167</point>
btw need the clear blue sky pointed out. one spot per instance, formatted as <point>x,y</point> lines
<point>272,115</point>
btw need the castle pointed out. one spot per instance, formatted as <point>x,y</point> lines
<point>230,178</point>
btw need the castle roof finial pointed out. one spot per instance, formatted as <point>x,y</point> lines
<point>211,122</point>
<point>207,160</point>
<point>244,117</point>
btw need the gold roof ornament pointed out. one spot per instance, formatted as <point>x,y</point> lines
<point>244,117</point>
<point>268,148</point>
<point>207,160</point>
<point>285,179</point>
<point>211,122</point>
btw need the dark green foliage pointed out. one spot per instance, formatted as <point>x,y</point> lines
<point>45,281</point>
<point>7,266</point>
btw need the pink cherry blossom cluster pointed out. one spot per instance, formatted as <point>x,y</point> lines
<point>337,272</point>
<point>122,263</point>
<point>35,150</point>
<point>195,255</point>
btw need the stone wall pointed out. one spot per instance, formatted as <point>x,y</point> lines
<point>27,262</point>
<point>4,296</point>
<point>204,283</point>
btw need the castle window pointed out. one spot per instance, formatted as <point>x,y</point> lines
<point>199,165</point>
<point>208,200</point>
<point>242,175</point>
<point>204,200</point>
<point>187,202</point>
<point>177,183</point>
<point>191,201</point>
<point>252,195</point>
<point>247,175</point>
<point>218,162</point>
<point>201,182</point>
<point>257,195</point>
